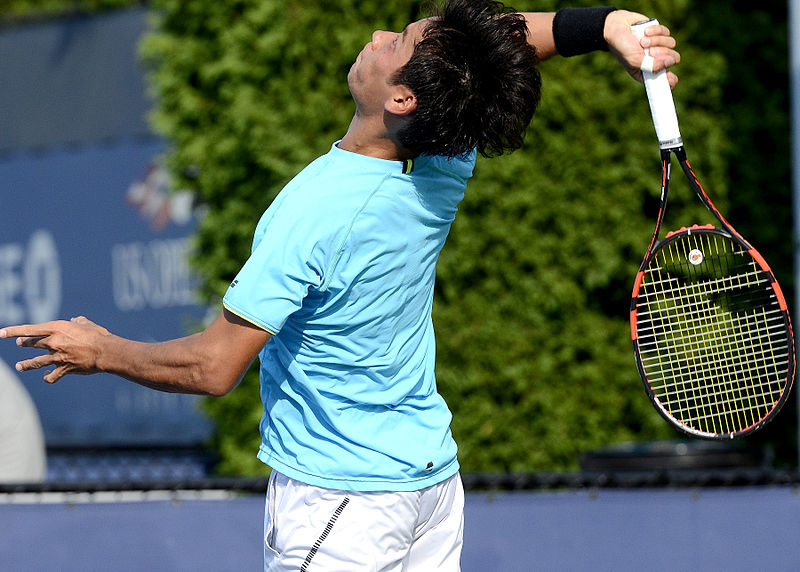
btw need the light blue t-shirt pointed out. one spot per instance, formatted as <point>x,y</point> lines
<point>342,274</point>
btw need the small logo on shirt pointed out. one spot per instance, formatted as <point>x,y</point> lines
<point>429,466</point>
<point>234,283</point>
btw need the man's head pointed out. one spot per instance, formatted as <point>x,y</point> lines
<point>472,81</point>
<point>370,77</point>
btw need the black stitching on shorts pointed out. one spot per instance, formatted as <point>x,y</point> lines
<point>328,527</point>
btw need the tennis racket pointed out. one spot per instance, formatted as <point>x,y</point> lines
<point>710,327</point>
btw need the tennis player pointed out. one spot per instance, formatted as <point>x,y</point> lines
<point>336,296</point>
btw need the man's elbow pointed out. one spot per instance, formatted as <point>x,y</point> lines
<point>217,390</point>
<point>217,381</point>
<point>217,386</point>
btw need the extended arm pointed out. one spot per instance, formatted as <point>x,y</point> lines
<point>616,32</point>
<point>210,362</point>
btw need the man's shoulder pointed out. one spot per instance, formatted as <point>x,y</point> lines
<point>340,182</point>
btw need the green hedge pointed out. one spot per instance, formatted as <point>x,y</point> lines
<point>533,291</point>
<point>533,287</point>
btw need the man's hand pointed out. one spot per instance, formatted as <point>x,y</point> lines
<point>210,362</point>
<point>629,50</point>
<point>72,346</point>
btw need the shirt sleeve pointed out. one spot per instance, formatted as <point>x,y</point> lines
<point>291,247</point>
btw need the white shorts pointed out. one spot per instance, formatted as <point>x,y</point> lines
<point>308,528</point>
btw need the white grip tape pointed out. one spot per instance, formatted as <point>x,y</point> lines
<point>647,63</point>
<point>659,94</point>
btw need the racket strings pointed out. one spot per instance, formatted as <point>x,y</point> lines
<point>722,286</point>
<point>715,397</point>
<point>731,399</point>
<point>711,334</point>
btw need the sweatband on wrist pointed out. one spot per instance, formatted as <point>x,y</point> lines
<point>580,30</point>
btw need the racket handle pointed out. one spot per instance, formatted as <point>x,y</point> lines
<point>659,94</point>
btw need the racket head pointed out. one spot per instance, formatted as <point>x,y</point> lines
<point>711,334</point>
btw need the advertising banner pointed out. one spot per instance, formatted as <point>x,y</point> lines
<point>93,230</point>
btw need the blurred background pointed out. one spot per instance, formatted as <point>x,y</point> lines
<point>141,141</point>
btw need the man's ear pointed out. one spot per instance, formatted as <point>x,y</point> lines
<point>402,101</point>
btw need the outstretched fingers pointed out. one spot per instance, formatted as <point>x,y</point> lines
<point>28,336</point>
<point>69,346</point>
<point>27,332</point>
<point>37,362</point>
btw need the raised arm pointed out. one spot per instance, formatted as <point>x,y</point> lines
<point>576,31</point>
<point>210,362</point>
<point>540,33</point>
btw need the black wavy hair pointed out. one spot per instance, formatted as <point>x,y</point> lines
<point>475,79</point>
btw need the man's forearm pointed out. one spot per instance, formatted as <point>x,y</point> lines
<point>176,366</point>
<point>540,33</point>
<point>210,362</point>
<point>568,32</point>
<point>575,31</point>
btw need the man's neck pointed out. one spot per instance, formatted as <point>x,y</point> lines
<point>373,139</point>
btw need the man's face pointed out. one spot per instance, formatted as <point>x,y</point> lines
<point>376,64</point>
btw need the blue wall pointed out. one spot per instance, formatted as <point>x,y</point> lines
<point>594,530</point>
<point>87,224</point>
<point>72,81</point>
<point>91,231</point>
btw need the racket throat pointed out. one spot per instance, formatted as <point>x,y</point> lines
<point>666,172</point>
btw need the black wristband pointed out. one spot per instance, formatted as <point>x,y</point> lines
<point>580,30</point>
